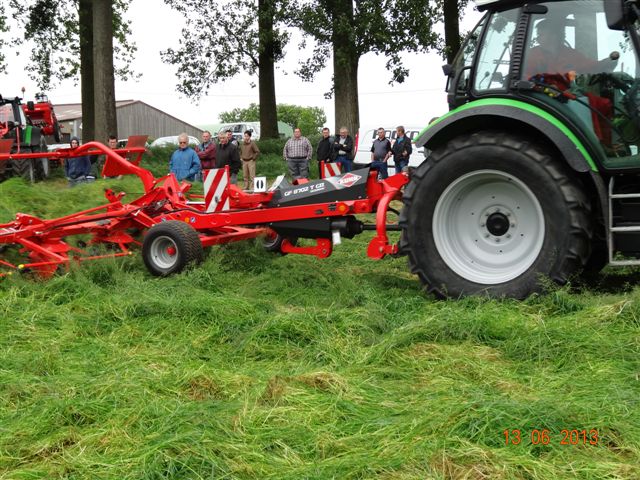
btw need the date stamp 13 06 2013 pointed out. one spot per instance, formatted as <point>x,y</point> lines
<point>546,437</point>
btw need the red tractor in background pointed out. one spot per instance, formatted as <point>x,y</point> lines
<point>42,116</point>
<point>27,126</point>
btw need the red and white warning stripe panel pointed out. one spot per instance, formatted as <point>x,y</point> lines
<point>331,170</point>
<point>216,190</point>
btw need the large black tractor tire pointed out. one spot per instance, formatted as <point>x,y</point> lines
<point>493,214</point>
<point>57,132</point>
<point>170,247</point>
<point>42,165</point>
<point>25,169</point>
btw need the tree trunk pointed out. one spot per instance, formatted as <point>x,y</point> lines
<point>104,82</point>
<point>266,68</point>
<point>345,68</point>
<point>451,29</point>
<point>85,21</point>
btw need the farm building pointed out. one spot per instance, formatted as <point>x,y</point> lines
<point>134,118</point>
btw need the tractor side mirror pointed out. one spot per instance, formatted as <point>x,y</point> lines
<point>30,105</point>
<point>614,11</point>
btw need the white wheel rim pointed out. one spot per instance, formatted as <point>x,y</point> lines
<point>488,227</point>
<point>32,172</point>
<point>45,167</point>
<point>164,252</point>
<point>270,241</point>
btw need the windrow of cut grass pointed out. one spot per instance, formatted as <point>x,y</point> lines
<point>256,366</point>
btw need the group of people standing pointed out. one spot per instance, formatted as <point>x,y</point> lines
<point>187,163</point>
<point>340,149</point>
<point>297,152</point>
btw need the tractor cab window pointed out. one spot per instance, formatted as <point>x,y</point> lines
<point>573,56</point>
<point>6,113</point>
<point>458,81</point>
<point>492,72</point>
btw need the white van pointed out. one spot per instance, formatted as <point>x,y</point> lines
<point>238,129</point>
<point>366,136</point>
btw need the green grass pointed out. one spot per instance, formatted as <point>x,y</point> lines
<point>258,366</point>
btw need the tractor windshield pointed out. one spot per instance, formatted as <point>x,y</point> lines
<point>6,113</point>
<point>571,52</point>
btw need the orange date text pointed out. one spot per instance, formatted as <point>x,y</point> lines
<point>546,437</point>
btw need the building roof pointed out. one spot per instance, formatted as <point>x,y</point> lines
<point>73,111</point>
<point>66,112</point>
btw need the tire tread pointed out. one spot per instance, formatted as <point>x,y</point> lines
<point>579,207</point>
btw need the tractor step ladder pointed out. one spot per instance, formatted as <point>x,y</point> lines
<point>613,229</point>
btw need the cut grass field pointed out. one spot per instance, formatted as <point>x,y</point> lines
<point>258,366</point>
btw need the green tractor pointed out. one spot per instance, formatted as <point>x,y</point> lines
<point>26,137</point>
<point>535,170</point>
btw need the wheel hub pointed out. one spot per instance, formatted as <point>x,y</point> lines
<point>497,224</point>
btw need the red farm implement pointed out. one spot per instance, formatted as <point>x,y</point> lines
<point>42,116</point>
<point>178,226</point>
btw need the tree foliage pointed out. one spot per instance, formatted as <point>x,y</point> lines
<point>4,28</point>
<point>309,119</point>
<point>383,27</point>
<point>219,40</point>
<point>54,28</point>
<point>344,31</point>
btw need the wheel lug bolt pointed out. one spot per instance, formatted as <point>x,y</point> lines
<point>497,240</point>
<point>482,224</point>
<point>508,235</point>
<point>486,235</point>
<point>513,225</point>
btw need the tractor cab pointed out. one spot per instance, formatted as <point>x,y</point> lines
<point>11,115</point>
<point>576,60</point>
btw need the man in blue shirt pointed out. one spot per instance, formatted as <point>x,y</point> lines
<point>185,164</point>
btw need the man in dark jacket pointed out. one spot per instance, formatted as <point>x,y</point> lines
<point>323,151</point>
<point>207,151</point>
<point>342,150</point>
<point>228,155</point>
<point>401,150</point>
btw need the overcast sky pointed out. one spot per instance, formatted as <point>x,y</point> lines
<point>156,27</point>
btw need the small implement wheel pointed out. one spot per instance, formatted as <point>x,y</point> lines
<point>170,247</point>
<point>493,214</point>
<point>272,242</point>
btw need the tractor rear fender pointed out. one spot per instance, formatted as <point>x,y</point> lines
<point>522,119</point>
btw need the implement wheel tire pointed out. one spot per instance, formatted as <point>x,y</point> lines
<point>170,247</point>
<point>25,169</point>
<point>272,242</point>
<point>493,214</point>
